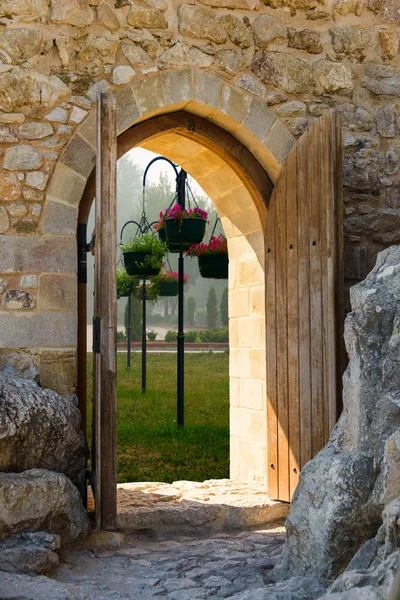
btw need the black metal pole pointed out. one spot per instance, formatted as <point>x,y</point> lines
<point>129,331</point>
<point>144,339</point>
<point>181,348</point>
<point>181,189</point>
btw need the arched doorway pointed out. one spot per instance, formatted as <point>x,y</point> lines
<point>235,147</point>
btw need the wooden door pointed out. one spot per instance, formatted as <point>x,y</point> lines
<point>304,304</point>
<point>104,464</point>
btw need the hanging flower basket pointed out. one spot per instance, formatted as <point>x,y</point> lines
<point>184,227</point>
<point>169,288</point>
<point>214,266</point>
<point>125,284</point>
<point>213,257</point>
<point>167,283</point>
<point>143,256</point>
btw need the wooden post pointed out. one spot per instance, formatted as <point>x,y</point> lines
<point>105,322</point>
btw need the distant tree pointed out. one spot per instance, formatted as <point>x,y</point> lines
<point>136,319</point>
<point>212,310</point>
<point>191,310</point>
<point>223,308</point>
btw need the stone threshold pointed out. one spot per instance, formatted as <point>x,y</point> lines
<point>215,504</point>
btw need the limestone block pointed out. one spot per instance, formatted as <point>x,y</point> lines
<point>239,363</point>
<point>134,53</point>
<point>71,12</point>
<point>252,84</point>
<point>57,291</point>
<point>4,220</point>
<point>59,115</point>
<point>251,394</point>
<point>58,370</point>
<point>334,77</point>
<point>77,115</point>
<point>348,7</point>
<point>292,109</point>
<point>145,16</point>
<point>382,80</point>
<point>20,43</point>
<point>127,112</point>
<point>267,29</point>
<point>284,71</point>
<point>307,40</point>
<point>237,31</point>
<point>99,86</point>
<point>178,86</point>
<point>36,179</point>
<point>23,157</point>
<point>19,87</point>
<point>149,94</point>
<point>60,219</point>
<point>18,300</point>
<point>26,10</point>
<point>27,254</point>
<point>122,74</point>
<point>38,500</point>
<point>389,43</point>
<point>349,41</point>
<point>207,88</point>
<point>41,330</point>
<point>248,424</point>
<point>390,12</point>
<point>198,22</point>
<point>107,17</point>
<point>35,130</point>
<point>231,61</point>
<point>66,185</point>
<point>244,4</point>
<point>79,156</point>
<point>98,50</point>
<point>386,121</point>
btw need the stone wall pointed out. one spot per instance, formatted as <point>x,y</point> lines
<point>296,57</point>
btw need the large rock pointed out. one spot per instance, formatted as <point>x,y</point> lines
<point>39,428</point>
<point>338,503</point>
<point>20,44</point>
<point>39,500</point>
<point>71,12</point>
<point>198,22</point>
<point>29,552</point>
<point>284,71</point>
<point>19,87</point>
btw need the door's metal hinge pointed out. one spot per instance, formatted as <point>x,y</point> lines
<point>83,249</point>
<point>96,335</point>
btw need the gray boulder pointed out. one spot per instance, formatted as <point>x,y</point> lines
<point>296,588</point>
<point>29,552</point>
<point>39,500</point>
<point>338,503</point>
<point>39,428</point>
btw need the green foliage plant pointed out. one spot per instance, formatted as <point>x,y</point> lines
<point>223,308</point>
<point>124,283</point>
<point>148,242</point>
<point>152,335</point>
<point>212,309</point>
<point>191,310</point>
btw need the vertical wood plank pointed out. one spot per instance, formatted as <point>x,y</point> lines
<point>339,266</point>
<point>328,227</point>
<point>106,310</point>
<point>317,401</point>
<point>281,333</point>
<point>304,301</point>
<point>271,357</point>
<point>292,321</point>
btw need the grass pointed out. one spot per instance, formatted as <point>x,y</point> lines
<point>150,446</point>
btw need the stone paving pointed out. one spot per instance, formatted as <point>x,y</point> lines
<point>214,504</point>
<point>177,567</point>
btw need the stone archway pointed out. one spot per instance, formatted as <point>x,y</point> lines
<point>253,135</point>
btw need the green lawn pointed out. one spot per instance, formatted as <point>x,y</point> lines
<point>150,445</point>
